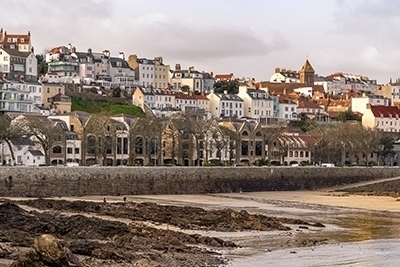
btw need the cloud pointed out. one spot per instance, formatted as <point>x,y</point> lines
<point>375,20</point>
<point>199,41</point>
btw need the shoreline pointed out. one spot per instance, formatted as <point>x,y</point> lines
<point>347,218</point>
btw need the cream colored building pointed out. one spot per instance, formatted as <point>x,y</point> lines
<point>382,118</point>
<point>257,103</point>
<point>161,74</point>
<point>49,90</point>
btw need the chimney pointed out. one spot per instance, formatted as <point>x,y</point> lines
<point>368,105</point>
<point>69,46</point>
<point>177,66</point>
<point>73,49</point>
<point>159,59</point>
<point>32,49</point>
<point>106,53</point>
<point>277,70</point>
<point>29,33</point>
<point>89,51</point>
<point>122,55</point>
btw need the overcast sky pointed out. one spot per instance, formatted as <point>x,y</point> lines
<point>246,37</point>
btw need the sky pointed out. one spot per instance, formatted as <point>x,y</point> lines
<point>248,38</point>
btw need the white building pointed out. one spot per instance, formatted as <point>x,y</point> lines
<point>257,103</point>
<point>23,153</point>
<point>287,109</point>
<point>226,105</point>
<point>359,104</point>
<point>285,76</point>
<point>16,65</point>
<point>382,118</point>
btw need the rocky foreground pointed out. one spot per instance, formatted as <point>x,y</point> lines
<point>120,234</point>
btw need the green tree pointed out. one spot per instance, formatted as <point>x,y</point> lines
<point>185,88</point>
<point>42,65</point>
<point>348,116</point>
<point>386,148</point>
<point>231,87</point>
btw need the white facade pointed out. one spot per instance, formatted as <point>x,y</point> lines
<point>33,158</point>
<point>146,73</point>
<point>287,110</point>
<point>359,104</point>
<point>382,118</point>
<point>226,105</point>
<point>304,91</point>
<point>257,103</point>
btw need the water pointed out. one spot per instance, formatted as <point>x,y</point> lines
<point>385,252</point>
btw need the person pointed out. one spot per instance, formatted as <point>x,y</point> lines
<point>105,200</point>
<point>124,199</point>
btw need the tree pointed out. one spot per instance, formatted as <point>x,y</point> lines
<point>146,138</point>
<point>348,115</point>
<point>386,148</point>
<point>101,136</point>
<point>42,65</point>
<point>42,130</point>
<point>231,87</point>
<point>185,88</point>
<point>271,133</point>
<point>9,132</point>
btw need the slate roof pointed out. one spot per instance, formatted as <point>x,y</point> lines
<point>36,153</point>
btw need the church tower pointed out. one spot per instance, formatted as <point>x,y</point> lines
<point>306,74</point>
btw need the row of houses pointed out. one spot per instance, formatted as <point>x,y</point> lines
<point>123,140</point>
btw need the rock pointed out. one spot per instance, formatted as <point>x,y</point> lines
<point>47,251</point>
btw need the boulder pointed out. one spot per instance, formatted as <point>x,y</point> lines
<point>47,252</point>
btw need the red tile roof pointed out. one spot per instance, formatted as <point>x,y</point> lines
<point>385,111</point>
<point>224,76</point>
<point>308,104</point>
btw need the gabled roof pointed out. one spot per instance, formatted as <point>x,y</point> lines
<point>200,97</point>
<point>16,53</point>
<point>23,141</point>
<point>258,94</point>
<point>184,96</point>
<point>26,38</point>
<point>308,104</point>
<point>307,67</point>
<point>385,111</point>
<point>224,76</point>
<point>229,97</point>
<point>123,63</point>
<point>36,153</point>
<point>281,88</point>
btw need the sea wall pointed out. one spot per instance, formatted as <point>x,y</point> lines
<point>79,181</point>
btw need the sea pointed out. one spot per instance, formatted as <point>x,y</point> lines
<point>372,253</point>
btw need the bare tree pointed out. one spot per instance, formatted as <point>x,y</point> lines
<point>9,132</point>
<point>272,132</point>
<point>101,136</point>
<point>42,130</point>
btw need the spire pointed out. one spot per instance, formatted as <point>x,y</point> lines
<point>307,67</point>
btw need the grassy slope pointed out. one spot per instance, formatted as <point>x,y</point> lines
<point>97,106</point>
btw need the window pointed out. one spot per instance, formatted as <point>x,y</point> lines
<point>57,150</point>
<point>69,150</point>
<point>5,58</point>
<point>76,150</point>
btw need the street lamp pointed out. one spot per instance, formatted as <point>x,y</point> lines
<point>344,154</point>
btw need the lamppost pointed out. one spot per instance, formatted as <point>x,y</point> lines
<point>344,154</point>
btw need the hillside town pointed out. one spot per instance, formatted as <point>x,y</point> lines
<point>190,117</point>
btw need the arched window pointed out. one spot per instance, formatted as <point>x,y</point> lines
<point>258,133</point>
<point>139,145</point>
<point>57,150</point>
<point>245,133</point>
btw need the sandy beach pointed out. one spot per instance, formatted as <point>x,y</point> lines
<point>347,219</point>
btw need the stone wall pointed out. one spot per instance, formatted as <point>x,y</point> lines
<point>64,181</point>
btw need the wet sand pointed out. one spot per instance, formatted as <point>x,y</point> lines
<point>348,218</point>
